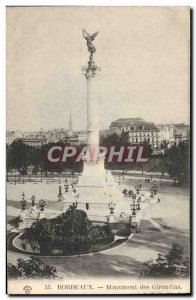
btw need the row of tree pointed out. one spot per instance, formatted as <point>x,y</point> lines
<point>21,156</point>
<point>175,161</point>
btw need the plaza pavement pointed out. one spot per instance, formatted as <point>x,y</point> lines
<point>172,213</point>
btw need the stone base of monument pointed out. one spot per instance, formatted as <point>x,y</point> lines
<point>96,193</point>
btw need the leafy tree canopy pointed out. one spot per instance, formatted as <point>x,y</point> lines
<point>172,264</point>
<point>177,162</point>
<point>33,268</point>
<point>71,232</point>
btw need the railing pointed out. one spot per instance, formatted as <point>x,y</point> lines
<point>60,178</point>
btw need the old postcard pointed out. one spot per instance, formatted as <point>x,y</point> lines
<point>98,150</point>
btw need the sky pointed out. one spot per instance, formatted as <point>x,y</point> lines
<point>143,53</point>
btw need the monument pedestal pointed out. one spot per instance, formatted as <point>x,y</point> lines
<point>95,189</point>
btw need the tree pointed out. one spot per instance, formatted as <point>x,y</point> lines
<point>71,232</point>
<point>40,236</point>
<point>148,149</point>
<point>177,162</point>
<point>33,268</point>
<point>18,156</point>
<point>9,159</point>
<point>124,139</point>
<point>75,231</point>
<point>175,254</point>
<point>112,139</point>
<point>172,264</point>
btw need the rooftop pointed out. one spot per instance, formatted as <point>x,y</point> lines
<point>130,120</point>
<point>137,123</point>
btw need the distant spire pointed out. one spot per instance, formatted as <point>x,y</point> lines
<point>70,125</point>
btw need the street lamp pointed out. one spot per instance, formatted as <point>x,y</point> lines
<point>137,188</point>
<point>111,206</point>
<point>154,188</point>
<point>66,186</point>
<point>138,204</point>
<point>42,204</point>
<point>133,208</point>
<point>23,202</point>
<point>33,200</point>
<point>60,196</point>
<point>60,190</point>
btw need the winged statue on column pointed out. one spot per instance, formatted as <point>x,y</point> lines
<point>89,38</point>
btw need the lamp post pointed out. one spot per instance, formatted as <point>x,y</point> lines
<point>111,206</point>
<point>133,208</point>
<point>60,190</point>
<point>42,204</point>
<point>33,200</point>
<point>154,188</point>
<point>137,188</point>
<point>138,204</point>
<point>60,196</point>
<point>66,186</point>
<point>23,202</point>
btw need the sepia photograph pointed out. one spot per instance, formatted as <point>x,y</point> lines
<point>98,133</point>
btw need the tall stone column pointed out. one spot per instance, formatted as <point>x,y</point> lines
<point>92,106</point>
<point>92,113</point>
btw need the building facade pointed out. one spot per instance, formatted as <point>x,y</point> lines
<point>139,131</point>
<point>181,132</point>
<point>174,133</point>
<point>10,136</point>
<point>166,132</point>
